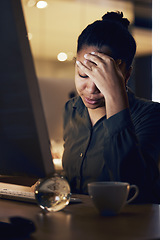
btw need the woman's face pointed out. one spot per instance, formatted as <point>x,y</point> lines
<point>87,90</point>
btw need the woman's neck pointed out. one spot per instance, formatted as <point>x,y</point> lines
<point>96,114</point>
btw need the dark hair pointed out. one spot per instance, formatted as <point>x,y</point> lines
<point>112,31</point>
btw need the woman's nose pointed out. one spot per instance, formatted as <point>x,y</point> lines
<point>91,87</point>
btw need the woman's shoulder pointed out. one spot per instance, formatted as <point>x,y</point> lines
<point>142,105</point>
<point>145,111</point>
<point>146,105</point>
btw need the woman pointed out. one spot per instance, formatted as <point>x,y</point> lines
<point>109,134</point>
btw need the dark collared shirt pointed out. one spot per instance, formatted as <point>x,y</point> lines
<point>125,147</point>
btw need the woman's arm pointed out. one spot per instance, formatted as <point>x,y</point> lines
<point>132,151</point>
<point>131,146</point>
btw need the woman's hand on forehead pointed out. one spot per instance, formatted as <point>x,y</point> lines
<point>102,69</point>
<point>109,77</point>
<point>98,58</point>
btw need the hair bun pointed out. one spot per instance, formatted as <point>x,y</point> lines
<point>116,17</point>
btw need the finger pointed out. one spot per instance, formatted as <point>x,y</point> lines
<point>93,58</point>
<point>102,56</point>
<point>98,57</point>
<point>84,68</point>
<point>89,64</point>
<point>105,57</point>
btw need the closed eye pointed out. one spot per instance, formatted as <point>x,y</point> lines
<point>83,76</point>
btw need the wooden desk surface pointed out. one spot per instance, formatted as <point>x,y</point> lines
<point>83,222</point>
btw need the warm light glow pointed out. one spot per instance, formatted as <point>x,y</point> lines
<point>41,4</point>
<point>62,56</point>
<point>155,50</point>
<point>29,36</point>
<point>57,163</point>
<point>57,198</point>
<point>31,3</point>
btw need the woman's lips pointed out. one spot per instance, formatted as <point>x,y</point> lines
<point>91,101</point>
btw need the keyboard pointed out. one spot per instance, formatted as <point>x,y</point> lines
<point>22,193</point>
<point>16,192</point>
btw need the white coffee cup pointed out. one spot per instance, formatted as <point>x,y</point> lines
<point>110,197</point>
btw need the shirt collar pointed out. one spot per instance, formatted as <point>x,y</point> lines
<point>79,105</point>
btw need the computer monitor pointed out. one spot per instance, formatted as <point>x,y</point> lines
<point>24,139</point>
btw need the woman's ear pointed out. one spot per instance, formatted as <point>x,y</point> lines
<point>128,74</point>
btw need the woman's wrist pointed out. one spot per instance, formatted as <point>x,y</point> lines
<point>116,103</point>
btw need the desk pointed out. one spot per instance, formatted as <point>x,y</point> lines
<point>82,221</point>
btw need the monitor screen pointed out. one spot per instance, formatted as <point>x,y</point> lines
<point>24,140</point>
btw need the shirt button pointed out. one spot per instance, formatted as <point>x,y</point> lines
<point>81,155</point>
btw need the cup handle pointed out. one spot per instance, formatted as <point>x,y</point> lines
<point>135,194</point>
